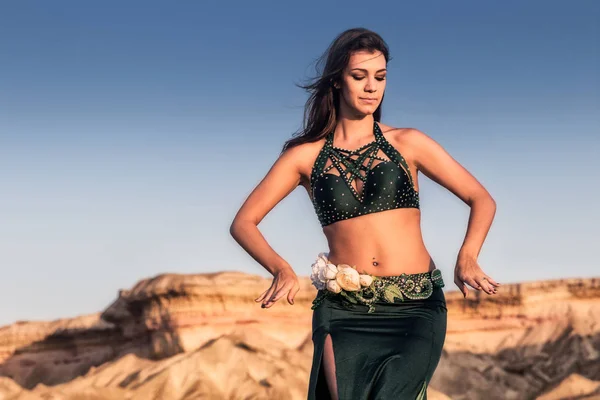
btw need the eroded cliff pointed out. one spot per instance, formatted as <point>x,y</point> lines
<point>203,336</point>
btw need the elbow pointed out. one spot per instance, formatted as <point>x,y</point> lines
<point>492,206</point>
<point>483,198</point>
<point>489,202</point>
<point>234,229</point>
<point>237,227</point>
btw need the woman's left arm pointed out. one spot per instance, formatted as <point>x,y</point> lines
<point>435,163</point>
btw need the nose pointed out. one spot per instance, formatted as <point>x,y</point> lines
<point>371,85</point>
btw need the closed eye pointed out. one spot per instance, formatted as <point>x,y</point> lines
<point>362,77</point>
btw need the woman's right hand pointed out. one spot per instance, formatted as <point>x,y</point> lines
<point>284,282</point>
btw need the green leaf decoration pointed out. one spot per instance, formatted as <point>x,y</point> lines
<point>321,296</point>
<point>349,297</point>
<point>392,292</point>
<point>423,392</point>
<point>436,277</point>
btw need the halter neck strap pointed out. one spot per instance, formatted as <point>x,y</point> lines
<point>376,133</point>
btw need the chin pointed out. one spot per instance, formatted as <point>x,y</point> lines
<point>367,110</point>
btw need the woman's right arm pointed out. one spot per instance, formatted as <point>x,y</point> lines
<point>283,177</point>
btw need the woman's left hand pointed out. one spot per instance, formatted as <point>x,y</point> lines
<point>467,271</point>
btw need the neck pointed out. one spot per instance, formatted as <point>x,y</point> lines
<point>354,131</point>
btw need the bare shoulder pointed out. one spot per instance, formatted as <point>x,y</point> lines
<point>405,137</point>
<point>304,156</point>
<point>407,141</point>
<point>301,151</point>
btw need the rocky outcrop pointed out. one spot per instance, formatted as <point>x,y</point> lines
<point>203,336</point>
<point>522,342</point>
<point>179,313</point>
<point>239,365</point>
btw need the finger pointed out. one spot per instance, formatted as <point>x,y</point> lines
<point>279,293</point>
<point>492,287</point>
<point>493,282</point>
<point>273,297</point>
<point>489,284</point>
<point>461,286</point>
<point>259,298</point>
<point>271,302</point>
<point>264,294</point>
<point>268,294</point>
<point>471,282</point>
<point>484,285</point>
<point>292,294</point>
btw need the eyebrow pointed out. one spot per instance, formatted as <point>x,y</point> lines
<point>364,70</point>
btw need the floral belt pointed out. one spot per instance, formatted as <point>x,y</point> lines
<point>344,280</point>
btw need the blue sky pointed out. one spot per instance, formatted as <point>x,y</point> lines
<point>130,134</point>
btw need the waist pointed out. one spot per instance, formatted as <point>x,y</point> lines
<point>435,300</point>
<point>344,283</point>
<point>412,262</point>
<point>385,256</point>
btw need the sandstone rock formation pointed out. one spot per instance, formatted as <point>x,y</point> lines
<point>203,337</point>
<point>523,342</point>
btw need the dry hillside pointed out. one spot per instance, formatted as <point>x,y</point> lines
<point>203,337</point>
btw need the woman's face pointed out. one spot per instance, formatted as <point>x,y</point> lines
<point>363,79</point>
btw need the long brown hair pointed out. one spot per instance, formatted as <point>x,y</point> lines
<point>322,107</point>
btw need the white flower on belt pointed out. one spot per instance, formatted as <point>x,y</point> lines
<point>337,278</point>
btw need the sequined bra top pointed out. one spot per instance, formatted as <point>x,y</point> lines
<point>348,183</point>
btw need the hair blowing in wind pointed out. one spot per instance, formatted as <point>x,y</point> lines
<point>322,107</point>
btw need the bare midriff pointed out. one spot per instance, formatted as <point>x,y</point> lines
<point>382,243</point>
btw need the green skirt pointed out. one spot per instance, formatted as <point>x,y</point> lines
<point>388,353</point>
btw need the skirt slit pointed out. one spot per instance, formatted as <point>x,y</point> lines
<point>391,353</point>
<point>319,390</point>
<point>322,388</point>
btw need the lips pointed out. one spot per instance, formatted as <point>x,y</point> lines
<point>367,98</point>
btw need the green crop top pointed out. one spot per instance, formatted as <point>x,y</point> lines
<point>379,172</point>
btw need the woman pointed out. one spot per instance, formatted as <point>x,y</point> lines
<point>379,320</point>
